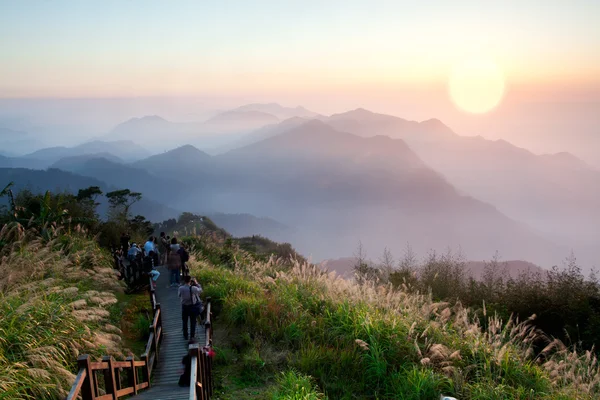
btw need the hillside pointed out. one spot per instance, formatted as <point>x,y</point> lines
<point>285,329</point>
<point>288,329</point>
<point>58,299</point>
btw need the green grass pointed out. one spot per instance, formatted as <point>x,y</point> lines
<point>285,324</point>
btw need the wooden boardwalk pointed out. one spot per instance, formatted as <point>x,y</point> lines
<point>164,381</point>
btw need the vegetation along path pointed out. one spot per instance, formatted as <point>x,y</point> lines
<point>173,348</point>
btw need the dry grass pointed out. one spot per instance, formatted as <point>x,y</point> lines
<point>55,300</point>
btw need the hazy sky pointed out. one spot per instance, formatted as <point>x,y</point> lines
<point>100,48</point>
<point>390,56</point>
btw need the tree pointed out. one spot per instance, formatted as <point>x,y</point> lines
<point>120,201</point>
<point>386,264</point>
<point>7,191</point>
<point>87,198</point>
<point>362,270</point>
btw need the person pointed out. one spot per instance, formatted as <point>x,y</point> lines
<point>125,242</point>
<point>185,257</point>
<point>191,306</point>
<point>154,274</point>
<point>163,246</point>
<point>174,263</point>
<point>185,371</point>
<point>149,246</point>
<point>133,252</point>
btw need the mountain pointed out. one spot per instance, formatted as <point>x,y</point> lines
<point>76,162</point>
<point>241,225</point>
<point>159,134</point>
<point>335,188</point>
<point>511,268</point>
<point>315,139</point>
<point>262,133</point>
<point>345,267</point>
<point>243,121</point>
<point>153,187</point>
<point>181,162</point>
<point>365,123</point>
<point>557,194</point>
<point>152,130</point>
<point>19,162</point>
<point>13,142</point>
<point>278,110</point>
<point>58,180</point>
<point>126,150</point>
<point>122,149</point>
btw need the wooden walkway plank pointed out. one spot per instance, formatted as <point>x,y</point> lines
<point>165,378</point>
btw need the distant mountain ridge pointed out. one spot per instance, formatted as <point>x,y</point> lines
<point>122,149</point>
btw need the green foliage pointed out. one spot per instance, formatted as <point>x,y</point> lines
<point>292,385</point>
<point>359,341</point>
<point>565,303</point>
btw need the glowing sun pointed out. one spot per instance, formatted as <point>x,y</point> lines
<point>476,86</point>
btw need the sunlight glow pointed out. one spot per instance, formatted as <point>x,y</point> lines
<point>476,85</point>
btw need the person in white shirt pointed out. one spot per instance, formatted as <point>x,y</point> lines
<point>191,306</point>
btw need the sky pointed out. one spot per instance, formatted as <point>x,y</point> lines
<point>390,56</point>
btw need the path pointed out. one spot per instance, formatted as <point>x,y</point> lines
<point>173,348</point>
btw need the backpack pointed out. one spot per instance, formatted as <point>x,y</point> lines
<point>185,256</point>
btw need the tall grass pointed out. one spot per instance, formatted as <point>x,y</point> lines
<point>369,341</point>
<point>57,300</point>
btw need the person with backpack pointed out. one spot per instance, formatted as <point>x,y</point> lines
<point>185,257</point>
<point>191,306</point>
<point>174,263</point>
<point>163,247</point>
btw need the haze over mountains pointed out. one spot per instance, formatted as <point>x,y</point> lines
<point>326,182</point>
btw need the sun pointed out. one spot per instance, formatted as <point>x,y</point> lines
<point>476,85</point>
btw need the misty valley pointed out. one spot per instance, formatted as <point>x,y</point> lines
<point>326,183</point>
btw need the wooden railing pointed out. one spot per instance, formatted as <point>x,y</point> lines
<point>87,383</point>
<point>201,382</point>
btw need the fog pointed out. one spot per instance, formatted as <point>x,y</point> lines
<point>378,178</point>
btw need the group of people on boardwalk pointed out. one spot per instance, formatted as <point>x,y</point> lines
<point>167,251</point>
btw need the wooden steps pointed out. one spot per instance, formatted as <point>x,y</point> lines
<point>165,378</point>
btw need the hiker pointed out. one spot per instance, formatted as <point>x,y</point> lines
<point>125,242</point>
<point>163,247</point>
<point>191,306</point>
<point>149,246</point>
<point>174,263</point>
<point>185,257</point>
<point>154,274</point>
<point>133,252</point>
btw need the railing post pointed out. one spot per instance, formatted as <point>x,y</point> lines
<point>145,369</point>
<point>109,377</point>
<point>152,292</point>
<point>209,382</point>
<point>155,330</point>
<point>132,374</point>
<point>195,373</point>
<point>87,389</point>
